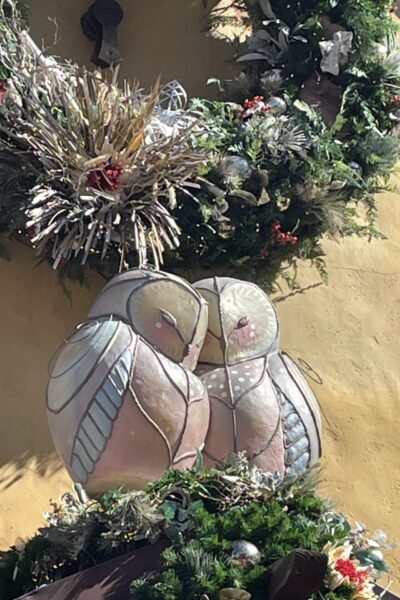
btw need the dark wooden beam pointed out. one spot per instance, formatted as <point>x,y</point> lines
<point>111,580</point>
<point>108,581</point>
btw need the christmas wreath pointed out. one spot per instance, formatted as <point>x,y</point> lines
<point>229,529</point>
<point>96,173</point>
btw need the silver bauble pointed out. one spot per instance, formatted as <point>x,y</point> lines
<point>277,105</point>
<point>354,165</point>
<point>235,167</point>
<point>245,553</point>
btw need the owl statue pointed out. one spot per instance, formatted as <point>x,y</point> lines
<point>123,404</point>
<point>260,402</point>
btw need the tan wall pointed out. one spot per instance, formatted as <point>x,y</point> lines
<point>157,37</point>
<point>348,331</point>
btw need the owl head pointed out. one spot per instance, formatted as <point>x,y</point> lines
<point>242,322</point>
<point>163,309</point>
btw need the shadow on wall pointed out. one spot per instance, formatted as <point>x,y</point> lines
<point>35,316</point>
<point>157,37</point>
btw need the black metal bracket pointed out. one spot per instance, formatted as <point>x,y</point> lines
<point>100,24</point>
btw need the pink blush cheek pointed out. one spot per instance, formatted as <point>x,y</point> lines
<point>245,337</point>
<point>159,332</point>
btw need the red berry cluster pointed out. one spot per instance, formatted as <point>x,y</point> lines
<point>253,102</point>
<point>254,105</point>
<point>278,237</point>
<point>105,178</point>
<point>347,568</point>
<point>394,100</point>
<point>281,237</point>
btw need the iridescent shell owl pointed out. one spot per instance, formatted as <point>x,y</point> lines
<point>260,402</point>
<point>123,404</point>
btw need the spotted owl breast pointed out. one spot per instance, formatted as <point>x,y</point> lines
<point>245,414</point>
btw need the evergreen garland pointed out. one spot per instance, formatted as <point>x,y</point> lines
<point>296,149</point>
<point>321,162</point>
<point>202,512</point>
<point>292,517</point>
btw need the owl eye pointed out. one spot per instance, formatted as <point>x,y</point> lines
<point>168,318</point>
<point>243,322</point>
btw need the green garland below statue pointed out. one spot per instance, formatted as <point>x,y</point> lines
<point>230,528</point>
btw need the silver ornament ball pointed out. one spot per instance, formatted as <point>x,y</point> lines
<point>277,105</point>
<point>245,553</point>
<point>354,165</point>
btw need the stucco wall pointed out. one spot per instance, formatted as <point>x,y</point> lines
<point>348,331</point>
<point>157,37</point>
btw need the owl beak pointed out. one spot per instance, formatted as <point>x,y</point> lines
<point>190,355</point>
<point>187,350</point>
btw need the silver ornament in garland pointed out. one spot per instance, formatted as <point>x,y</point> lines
<point>354,165</point>
<point>277,105</point>
<point>245,553</point>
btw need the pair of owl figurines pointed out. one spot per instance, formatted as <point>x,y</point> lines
<point>162,369</point>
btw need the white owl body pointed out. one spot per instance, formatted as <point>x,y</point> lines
<point>260,402</point>
<point>120,410</point>
<point>124,403</point>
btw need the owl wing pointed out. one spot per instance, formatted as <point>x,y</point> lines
<point>89,377</point>
<point>299,407</point>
